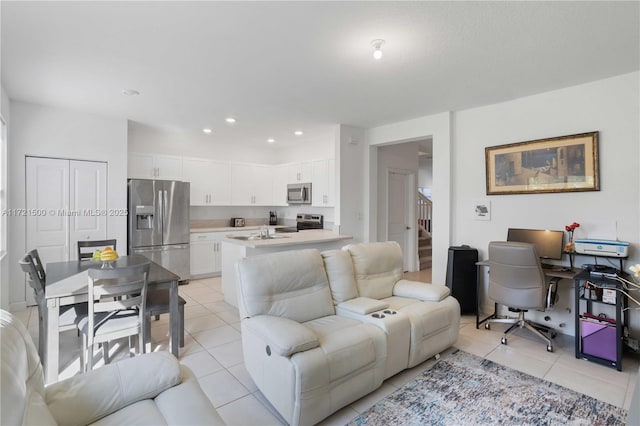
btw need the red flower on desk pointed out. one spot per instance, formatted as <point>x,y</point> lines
<point>570,228</point>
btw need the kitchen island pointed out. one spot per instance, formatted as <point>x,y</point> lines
<point>236,248</point>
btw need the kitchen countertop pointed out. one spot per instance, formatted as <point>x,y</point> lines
<point>232,228</point>
<point>309,236</point>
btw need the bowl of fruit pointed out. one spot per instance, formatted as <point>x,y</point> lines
<point>107,256</point>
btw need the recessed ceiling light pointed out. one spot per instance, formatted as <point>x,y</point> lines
<point>230,120</point>
<point>298,133</point>
<point>207,130</point>
<point>271,140</point>
<point>130,92</point>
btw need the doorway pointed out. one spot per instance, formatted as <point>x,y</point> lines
<point>401,213</point>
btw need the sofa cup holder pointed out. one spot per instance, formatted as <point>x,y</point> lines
<point>378,315</point>
<point>390,312</point>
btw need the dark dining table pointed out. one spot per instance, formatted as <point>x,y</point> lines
<point>67,284</point>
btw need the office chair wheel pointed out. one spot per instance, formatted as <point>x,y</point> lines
<point>487,326</point>
<point>503,341</point>
<point>549,348</point>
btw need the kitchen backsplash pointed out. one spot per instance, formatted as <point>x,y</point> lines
<point>222,223</point>
<point>225,213</point>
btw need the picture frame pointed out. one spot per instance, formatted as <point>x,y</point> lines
<point>559,164</point>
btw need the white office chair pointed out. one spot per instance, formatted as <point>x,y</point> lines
<point>516,280</point>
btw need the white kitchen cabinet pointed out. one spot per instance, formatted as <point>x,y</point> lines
<point>323,183</point>
<point>299,172</point>
<point>205,253</point>
<point>66,202</point>
<point>209,181</point>
<point>252,185</point>
<point>280,182</point>
<point>154,166</point>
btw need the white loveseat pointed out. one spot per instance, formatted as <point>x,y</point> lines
<point>151,389</point>
<point>321,330</point>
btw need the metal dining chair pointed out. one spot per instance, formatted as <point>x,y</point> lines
<point>116,309</point>
<point>36,278</point>
<point>157,304</point>
<point>86,247</point>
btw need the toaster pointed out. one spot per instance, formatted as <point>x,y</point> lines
<point>237,221</point>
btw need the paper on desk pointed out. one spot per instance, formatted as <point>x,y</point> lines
<point>597,230</point>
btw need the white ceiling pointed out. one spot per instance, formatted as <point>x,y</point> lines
<point>282,66</point>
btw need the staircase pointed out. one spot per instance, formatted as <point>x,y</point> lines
<point>424,248</point>
<point>425,211</point>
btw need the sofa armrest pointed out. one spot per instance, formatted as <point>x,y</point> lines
<point>363,305</point>
<point>421,291</point>
<point>285,336</point>
<point>187,404</point>
<point>87,397</point>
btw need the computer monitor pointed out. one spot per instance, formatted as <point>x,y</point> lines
<point>549,244</point>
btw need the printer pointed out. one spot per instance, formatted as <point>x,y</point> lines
<point>609,248</point>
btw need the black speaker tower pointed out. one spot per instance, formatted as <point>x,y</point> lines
<point>462,276</point>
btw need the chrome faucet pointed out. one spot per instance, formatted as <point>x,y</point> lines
<point>264,232</point>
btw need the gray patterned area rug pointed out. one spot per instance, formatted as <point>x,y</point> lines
<point>464,389</point>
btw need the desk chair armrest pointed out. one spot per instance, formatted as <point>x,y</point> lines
<point>421,291</point>
<point>88,397</point>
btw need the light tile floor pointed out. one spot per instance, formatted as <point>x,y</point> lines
<point>213,350</point>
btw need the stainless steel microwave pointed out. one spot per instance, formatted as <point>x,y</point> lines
<point>299,193</point>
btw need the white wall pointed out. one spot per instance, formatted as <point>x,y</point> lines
<point>435,126</point>
<point>351,185</point>
<point>307,150</point>
<point>610,106</point>
<point>4,258</point>
<point>425,176</point>
<point>142,138</point>
<point>53,132</point>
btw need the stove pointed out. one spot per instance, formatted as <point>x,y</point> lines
<point>287,229</point>
<point>310,221</point>
<point>305,221</point>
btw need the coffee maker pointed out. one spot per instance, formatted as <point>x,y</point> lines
<point>273,218</point>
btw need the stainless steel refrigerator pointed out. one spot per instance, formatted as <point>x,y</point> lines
<point>158,225</point>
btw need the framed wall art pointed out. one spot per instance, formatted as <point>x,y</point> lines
<point>560,164</point>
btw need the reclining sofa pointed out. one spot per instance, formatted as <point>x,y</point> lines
<point>151,389</point>
<point>323,329</point>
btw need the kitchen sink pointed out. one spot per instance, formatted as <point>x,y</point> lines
<point>256,237</point>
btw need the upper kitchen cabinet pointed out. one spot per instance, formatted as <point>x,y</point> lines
<point>323,182</point>
<point>251,185</point>
<point>299,172</point>
<point>280,182</point>
<point>154,166</point>
<point>209,181</point>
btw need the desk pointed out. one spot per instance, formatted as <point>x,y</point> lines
<point>555,274</point>
<point>67,284</point>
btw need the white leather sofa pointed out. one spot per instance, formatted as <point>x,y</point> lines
<point>433,314</point>
<point>321,330</point>
<point>152,389</point>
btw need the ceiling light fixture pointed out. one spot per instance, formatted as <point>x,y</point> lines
<point>230,120</point>
<point>271,140</point>
<point>377,46</point>
<point>298,133</point>
<point>130,92</point>
<point>207,130</point>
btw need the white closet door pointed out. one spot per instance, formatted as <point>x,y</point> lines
<point>47,193</point>
<point>87,202</point>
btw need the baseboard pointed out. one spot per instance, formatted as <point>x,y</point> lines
<point>17,306</point>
